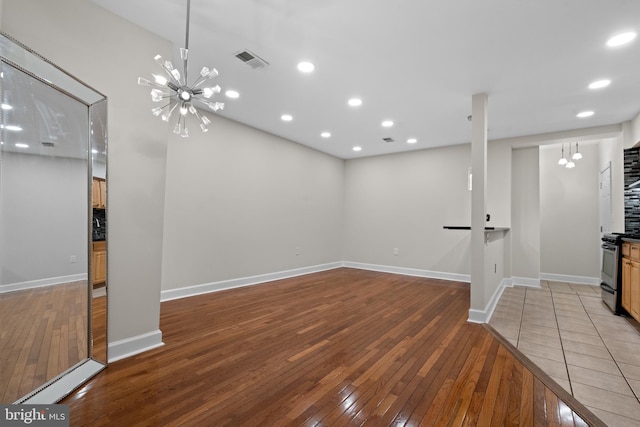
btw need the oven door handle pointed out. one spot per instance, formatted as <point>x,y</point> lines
<point>608,246</point>
<point>607,288</point>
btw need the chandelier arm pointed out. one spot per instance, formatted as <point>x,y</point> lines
<point>199,82</point>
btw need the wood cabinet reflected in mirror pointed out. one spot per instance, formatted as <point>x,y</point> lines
<point>53,139</point>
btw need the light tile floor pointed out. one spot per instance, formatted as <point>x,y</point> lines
<point>567,331</point>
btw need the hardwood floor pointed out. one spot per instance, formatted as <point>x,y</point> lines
<point>43,332</point>
<point>338,348</point>
<point>99,328</point>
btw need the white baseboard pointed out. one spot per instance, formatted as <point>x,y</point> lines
<point>63,386</point>
<point>526,281</point>
<point>50,281</point>
<point>206,288</point>
<point>583,280</point>
<point>410,271</point>
<point>131,346</point>
<point>477,316</point>
<point>493,302</point>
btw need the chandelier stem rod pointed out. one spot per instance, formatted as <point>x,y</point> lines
<point>186,41</point>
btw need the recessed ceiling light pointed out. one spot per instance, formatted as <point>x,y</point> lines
<point>412,141</point>
<point>94,151</point>
<point>387,123</point>
<point>356,148</point>
<point>286,117</point>
<point>621,39</point>
<point>21,145</point>
<point>584,114</point>
<point>326,134</point>
<point>232,94</point>
<point>13,128</point>
<point>599,84</point>
<point>306,67</point>
<point>7,107</point>
<point>355,102</point>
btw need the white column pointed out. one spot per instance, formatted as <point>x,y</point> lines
<point>478,205</point>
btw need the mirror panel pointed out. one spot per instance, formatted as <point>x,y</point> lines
<point>50,123</point>
<point>98,132</point>
<point>19,55</point>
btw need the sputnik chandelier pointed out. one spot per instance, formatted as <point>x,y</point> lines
<point>174,90</point>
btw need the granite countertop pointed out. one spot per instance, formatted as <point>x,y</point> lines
<point>466,227</point>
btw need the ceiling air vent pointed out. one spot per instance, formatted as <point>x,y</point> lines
<point>387,139</point>
<point>251,59</point>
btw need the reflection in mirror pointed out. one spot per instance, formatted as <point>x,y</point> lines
<point>45,228</point>
<point>97,120</point>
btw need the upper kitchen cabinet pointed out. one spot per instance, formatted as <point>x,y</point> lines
<point>99,193</point>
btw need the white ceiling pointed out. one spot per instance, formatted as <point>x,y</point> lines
<point>417,62</point>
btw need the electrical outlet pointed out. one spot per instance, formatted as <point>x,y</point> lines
<point>72,259</point>
<point>396,251</point>
<point>297,250</point>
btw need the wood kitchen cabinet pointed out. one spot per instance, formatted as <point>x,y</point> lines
<point>631,279</point>
<point>99,193</point>
<point>99,262</point>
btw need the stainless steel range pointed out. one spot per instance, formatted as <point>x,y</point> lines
<point>610,273</point>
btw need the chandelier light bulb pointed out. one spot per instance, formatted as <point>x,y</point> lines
<point>570,163</point>
<point>161,80</point>
<point>563,161</point>
<point>157,95</point>
<point>576,155</point>
<point>208,92</point>
<point>208,73</point>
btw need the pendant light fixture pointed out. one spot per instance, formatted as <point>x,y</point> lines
<point>570,163</point>
<point>576,155</point>
<point>176,93</point>
<point>563,161</point>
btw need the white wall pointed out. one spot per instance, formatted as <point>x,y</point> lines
<point>403,201</point>
<point>43,218</point>
<point>109,54</point>
<point>240,202</point>
<point>612,153</point>
<point>499,183</point>
<point>635,131</point>
<point>569,213</point>
<point>525,216</point>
